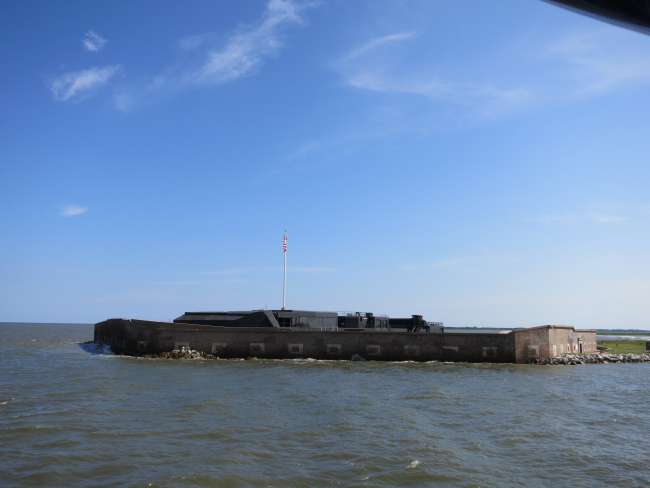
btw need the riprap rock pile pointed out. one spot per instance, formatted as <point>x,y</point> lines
<point>185,353</point>
<point>598,358</point>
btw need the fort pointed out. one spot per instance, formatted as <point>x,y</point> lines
<point>284,334</point>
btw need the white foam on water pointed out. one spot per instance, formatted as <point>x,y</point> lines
<point>92,348</point>
<point>413,464</point>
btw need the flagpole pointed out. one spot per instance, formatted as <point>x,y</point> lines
<point>284,276</point>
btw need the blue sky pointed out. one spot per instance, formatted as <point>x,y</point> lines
<point>480,163</point>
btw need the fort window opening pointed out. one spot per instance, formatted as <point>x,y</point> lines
<point>256,347</point>
<point>373,349</point>
<point>334,349</point>
<point>411,350</point>
<point>218,347</point>
<point>489,352</point>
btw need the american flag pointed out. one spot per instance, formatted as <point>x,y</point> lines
<point>284,244</point>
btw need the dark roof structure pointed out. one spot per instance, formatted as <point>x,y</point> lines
<point>631,14</point>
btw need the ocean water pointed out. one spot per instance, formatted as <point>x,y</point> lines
<point>69,417</point>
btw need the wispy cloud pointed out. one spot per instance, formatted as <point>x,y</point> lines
<point>93,42</point>
<point>246,50</point>
<point>76,85</point>
<point>557,68</point>
<point>73,211</point>
<point>176,283</point>
<point>123,101</point>
<point>601,60</point>
<point>194,41</point>
<point>305,148</point>
<point>227,272</point>
<point>205,61</point>
<point>608,219</point>
<point>378,42</point>
<point>312,269</point>
<point>258,269</point>
<point>599,218</point>
<point>451,262</point>
<point>484,99</point>
<point>365,68</point>
<point>442,263</point>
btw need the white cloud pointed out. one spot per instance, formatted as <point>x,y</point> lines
<point>176,283</point>
<point>608,219</point>
<point>450,262</point>
<point>93,42</point>
<point>203,61</point>
<point>387,74</point>
<point>601,60</point>
<point>228,272</point>
<point>525,74</point>
<point>247,49</point>
<point>123,101</point>
<point>311,269</point>
<point>601,218</point>
<point>253,270</point>
<point>189,43</point>
<point>73,211</point>
<point>378,42</point>
<point>484,99</point>
<point>305,148</point>
<point>76,84</point>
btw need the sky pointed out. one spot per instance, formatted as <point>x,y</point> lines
<point>480,163</point>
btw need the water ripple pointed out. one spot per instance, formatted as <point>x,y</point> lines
<point>70,417</point>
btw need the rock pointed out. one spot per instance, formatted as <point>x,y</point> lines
<point>597,358</point>
<point>185,353</point>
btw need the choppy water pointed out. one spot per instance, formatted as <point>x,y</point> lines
<point>70,418</point>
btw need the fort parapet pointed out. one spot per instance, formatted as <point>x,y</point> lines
<point>536,344</point>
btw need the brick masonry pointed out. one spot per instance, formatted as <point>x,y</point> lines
<point>138,337</point>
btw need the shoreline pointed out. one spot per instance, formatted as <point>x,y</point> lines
<point>185,353</point>
<point>597,358</point>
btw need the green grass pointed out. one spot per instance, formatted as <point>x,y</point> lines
<point>623,347</point>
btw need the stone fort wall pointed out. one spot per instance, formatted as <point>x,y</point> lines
<point>137,337</point>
